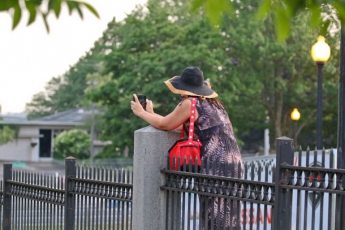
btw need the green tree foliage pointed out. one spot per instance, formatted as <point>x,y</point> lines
<point>256,76</point>
<point>74,143</point>
<point>322,13</point>
<point>7,134</point>
<point>149,47</point>
<point>325,16</point>
<point>42,8</point>
<point>280,76</point>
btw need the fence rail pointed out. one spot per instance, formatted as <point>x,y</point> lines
<point>85,198</point>
<point>194,188</point>
<point>297,191</point>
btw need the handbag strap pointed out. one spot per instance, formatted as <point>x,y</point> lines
<point>191,121</point>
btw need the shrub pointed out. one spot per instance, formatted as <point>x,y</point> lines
<point>74,143</point>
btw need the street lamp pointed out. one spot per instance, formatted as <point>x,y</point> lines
<point>320,53</point>
<point>295,116</point>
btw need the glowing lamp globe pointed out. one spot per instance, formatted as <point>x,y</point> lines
<point>320,51</point>
<point>295,115</point>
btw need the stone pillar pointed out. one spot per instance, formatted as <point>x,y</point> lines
<point>150,156</point>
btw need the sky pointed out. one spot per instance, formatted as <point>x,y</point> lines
<point>30,57</point>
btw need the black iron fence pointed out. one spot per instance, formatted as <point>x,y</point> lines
<point>299,191</point>
<point>85,198</point>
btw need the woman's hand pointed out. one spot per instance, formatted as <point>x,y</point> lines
<point>136,106</point>
<point>149,106</point>
<point>169,122</point>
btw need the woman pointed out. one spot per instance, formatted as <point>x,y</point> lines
<point>212,127</point>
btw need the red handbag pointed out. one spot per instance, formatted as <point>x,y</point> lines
<point>188,148</point>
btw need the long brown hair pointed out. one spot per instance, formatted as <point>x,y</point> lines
<point>216,102</point>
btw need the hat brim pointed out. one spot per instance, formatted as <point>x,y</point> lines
<point>179,87</point>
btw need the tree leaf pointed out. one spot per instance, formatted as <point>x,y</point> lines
<point>44,16</point>
<point>71,6</point>
<point>32,11</point>
<point>16,16</point>
<point>55,5</point>
<point>57,8</point>
<point>90,8</point>
<point>264,8</point>
<point>7,4</point>
<point>215,10</point>
<point>34,7</point>
<point>315,17</point>
<point>36,2</point>
<point>324,27</point>
<point>196,4</point>
<point>51,4</point>
<point>79,11</point>
<point>282,24</point>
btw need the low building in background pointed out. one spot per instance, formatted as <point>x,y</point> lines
<point>34,142</point>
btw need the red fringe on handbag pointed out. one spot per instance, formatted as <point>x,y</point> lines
<point>188,148</point>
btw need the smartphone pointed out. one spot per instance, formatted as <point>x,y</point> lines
<point>142,100</point>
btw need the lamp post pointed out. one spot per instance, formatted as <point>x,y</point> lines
<point>320,53</point>
<point>340,212</point>
<point>295,116</point>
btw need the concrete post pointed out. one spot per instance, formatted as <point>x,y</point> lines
<point>267,142</point>
<point>150,155</point>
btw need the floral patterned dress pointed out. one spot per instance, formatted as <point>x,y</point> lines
<point>214,129</point>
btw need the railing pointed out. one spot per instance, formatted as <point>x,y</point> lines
<point>298,191</point>
<point>86,198</point>
<point>248,196</point>
<point>315,189</point>
<point>32,200</point>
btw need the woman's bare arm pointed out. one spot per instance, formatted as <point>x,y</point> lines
<point>170,122</point>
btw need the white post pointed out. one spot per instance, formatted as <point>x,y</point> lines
<point>92,134</point>
<point>92,131</point>
<point>267,142</point>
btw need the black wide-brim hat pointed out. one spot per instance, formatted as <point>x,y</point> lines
<point>191,82</point>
